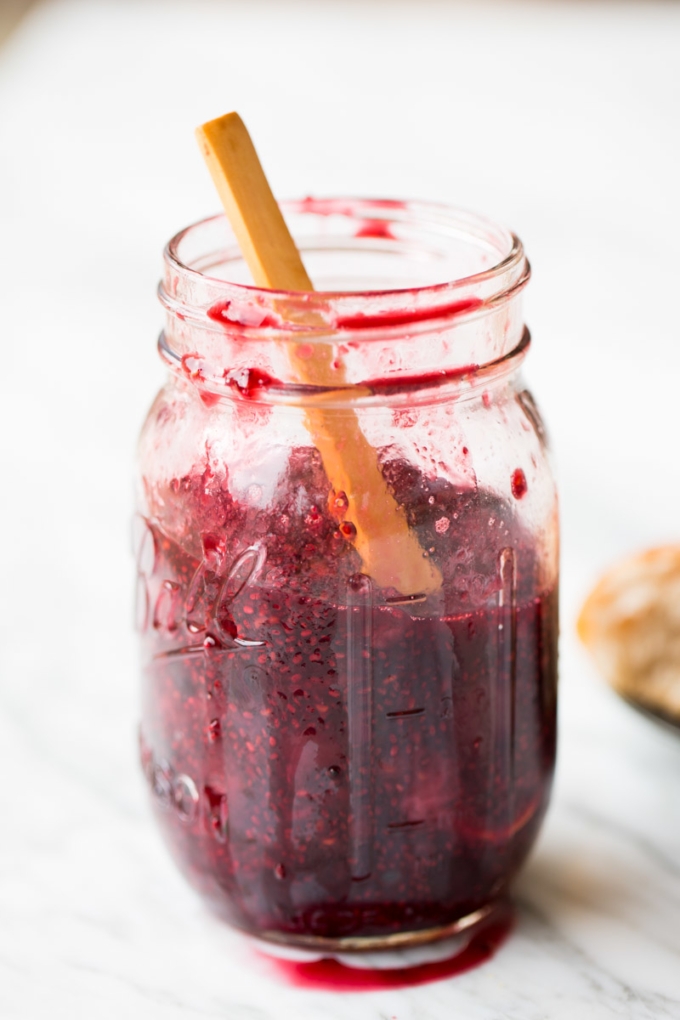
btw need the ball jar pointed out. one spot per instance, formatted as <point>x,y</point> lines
<point>347,558</point>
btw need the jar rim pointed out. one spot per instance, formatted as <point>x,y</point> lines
<point>462,296</point>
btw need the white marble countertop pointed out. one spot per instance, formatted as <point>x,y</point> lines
<point>560,119</point>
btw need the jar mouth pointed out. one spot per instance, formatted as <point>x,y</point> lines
<point>449,264</point>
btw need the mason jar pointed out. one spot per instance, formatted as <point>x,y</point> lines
<point>347,562</point>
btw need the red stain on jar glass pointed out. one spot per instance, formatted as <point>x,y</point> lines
<point>244,316</point>
<point>407,316</point>
<point>389,385</point>
<point>378,229</point>
<point>519,483</point>
<point>349,208</point>
<point>250,382</point>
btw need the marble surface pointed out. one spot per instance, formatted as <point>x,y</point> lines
<point>560,119</point>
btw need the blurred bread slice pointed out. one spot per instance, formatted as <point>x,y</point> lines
<point>630,623</point>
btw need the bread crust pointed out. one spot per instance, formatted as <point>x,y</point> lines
<point>630,623</point>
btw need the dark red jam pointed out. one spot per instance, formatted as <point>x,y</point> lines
<point>328,758</point>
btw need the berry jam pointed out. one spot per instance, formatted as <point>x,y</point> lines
<point>329,759</point>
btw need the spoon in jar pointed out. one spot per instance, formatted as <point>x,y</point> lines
<point>390,551</point>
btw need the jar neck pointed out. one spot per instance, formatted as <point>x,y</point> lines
<point>460,328</point>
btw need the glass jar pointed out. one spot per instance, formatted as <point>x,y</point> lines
<point>347,551</point>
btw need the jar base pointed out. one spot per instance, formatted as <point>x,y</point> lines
<point>371,943</point>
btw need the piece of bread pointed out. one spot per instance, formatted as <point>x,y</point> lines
<point>630,623</point>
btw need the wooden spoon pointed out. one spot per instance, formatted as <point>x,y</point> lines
<point>390,552</point>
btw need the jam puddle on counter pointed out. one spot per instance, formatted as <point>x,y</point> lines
<point>334,974</point>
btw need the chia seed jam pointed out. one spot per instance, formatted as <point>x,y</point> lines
<point>328,759</point>
<point>337,764</point>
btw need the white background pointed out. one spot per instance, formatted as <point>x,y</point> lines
<point>561,120</point>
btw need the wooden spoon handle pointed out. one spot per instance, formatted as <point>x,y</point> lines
<point>391,553</point>
<point>253,212</point>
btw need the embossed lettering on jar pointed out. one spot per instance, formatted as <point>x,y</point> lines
<point>334,761</point>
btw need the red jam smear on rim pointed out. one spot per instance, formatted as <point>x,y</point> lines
<point>328,759</point>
